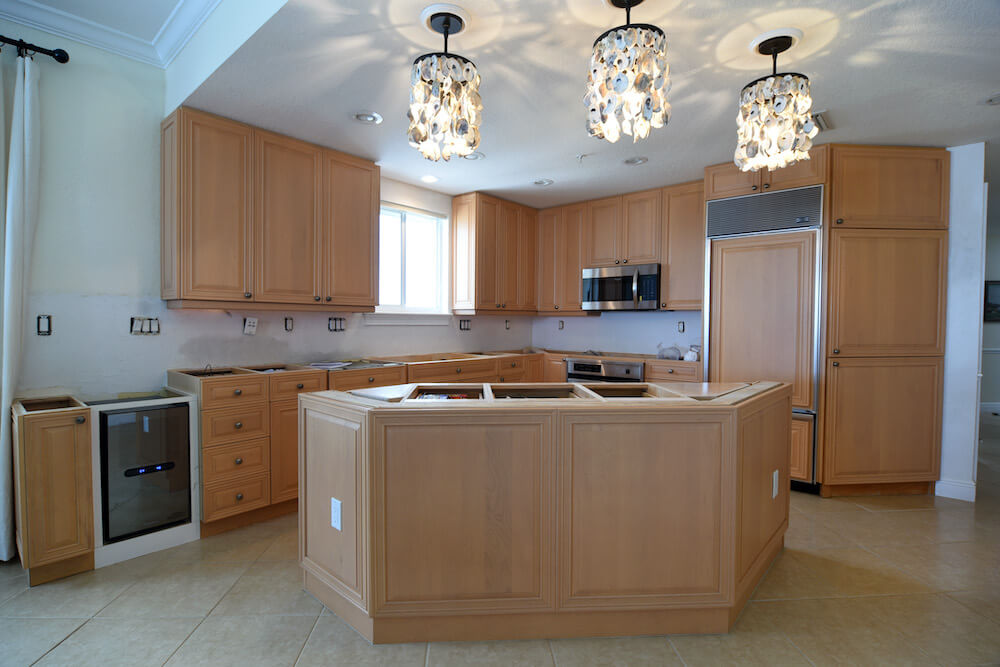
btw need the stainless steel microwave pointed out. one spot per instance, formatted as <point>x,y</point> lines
<point>635,287</point>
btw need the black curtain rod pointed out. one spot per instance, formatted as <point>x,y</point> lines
<point>23,47</point>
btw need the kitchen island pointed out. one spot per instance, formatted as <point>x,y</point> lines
<point>479,511</point>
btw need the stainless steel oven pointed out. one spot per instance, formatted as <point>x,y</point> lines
<point>635,287</point>
<point>600,370</point>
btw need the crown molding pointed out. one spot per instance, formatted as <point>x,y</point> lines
<point>176,31</point>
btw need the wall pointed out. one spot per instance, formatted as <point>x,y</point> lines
<point>963,334</point>
<point>618,332</point>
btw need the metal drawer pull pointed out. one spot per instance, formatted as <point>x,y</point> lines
<point>239,496</point>
<point>371,379</point>
<point>767,185</point>
<point>670,370</point>
<point>836,363</point>
<point>840,221</point>
<point>238,461</point>
<point>754,188</point>
<point>247,295</point>
<point>513,364</point>
<point>81,419</point>
<point>237,392</point>
<point>316,298</point>
<point>299,386</point>
<point>458,370</point>
<point>238,425</point>
<point>836,351</point>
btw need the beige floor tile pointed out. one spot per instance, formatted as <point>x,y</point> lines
<point>79,596</point>
<point>614,652</point>
<point>530,653</point>
<point>872,529</point>
<point>890,503</point>
<point>25,640</point>
<point>122,642</point>
<point>189,591</point>
<point>808,503</point>
<point>238,546</point>
<point>11,586</point>
<point>838,632</point>
<point>807,531</point>
<point>983,601</point>
<point>333,642</point>
<point>284,547</point>
<point>269,588</point>
<point>752,641</point>
<point>952,566</point>
<point>10,568</point>
<point>945,629</point>
<point>245,641</point>
<point>799,574</point>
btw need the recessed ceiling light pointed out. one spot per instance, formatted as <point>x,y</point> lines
<point>475,155</point>
<point>993,101</point>
<point>368,118</point>
<point>544,182</point>
<point>636,161</point>
<point>427,178</point>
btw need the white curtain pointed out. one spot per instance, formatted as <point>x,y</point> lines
<point>18,224</point>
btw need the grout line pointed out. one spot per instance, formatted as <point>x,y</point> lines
<point>676,652</point>
<point>552,652</point>
<point>298,655</point>
<point>427,653</point>
<point>56,645</point>
<point>796,647</point>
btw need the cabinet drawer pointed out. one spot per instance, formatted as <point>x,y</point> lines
<point>229,498</point>
<point>511,375</point>
<point>232,424</point>
<point>675,372</point>
<point>506,365</point>
<point>231,391</point>
<point>288,385</point>
<point>453,371</point>
<point>370,377</point>
<point>235,460</point>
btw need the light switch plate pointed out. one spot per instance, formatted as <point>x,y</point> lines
<point>249,326</point>
<point>774,485</point>
<point>335,514</point>
<point>680,327</point>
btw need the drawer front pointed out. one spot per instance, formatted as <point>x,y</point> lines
<point>232,391</point>
<point>229,461</point>
<point>371,377</point>
<point>288,385</point>
<point>236,497</point>
<point>453,371</point>
<point>673,372</point>
<point>510,364</point>
<point>512,375</point>
<point>232,424</point>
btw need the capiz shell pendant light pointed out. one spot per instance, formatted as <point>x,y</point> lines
<point>629,80</point>
<point>774,126</point>
<point>445,107</point>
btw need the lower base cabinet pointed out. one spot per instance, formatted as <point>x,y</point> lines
<point>284,451</point>
<point>883,420</point>
<point>801,464</point>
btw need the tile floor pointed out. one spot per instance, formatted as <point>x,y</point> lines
<point>900,580</point>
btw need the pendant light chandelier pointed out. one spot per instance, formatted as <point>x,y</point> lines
<point>774,126</point>
<point>629,80</point>
<point>445,107</point>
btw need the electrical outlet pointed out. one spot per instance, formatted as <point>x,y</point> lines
<point>680,327</point>
<point>289,324</point>
<point>249,326</point>
<point>506,325</point>
<point>774,485</point>
<point>562,325</point>
<point>335,521</point>
<point>43,325</point>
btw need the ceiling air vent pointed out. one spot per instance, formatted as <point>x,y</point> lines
<point>822,120</point>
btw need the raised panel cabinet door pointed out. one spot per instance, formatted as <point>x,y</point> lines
<point>548,220</point>
<point>508,240</point>
<point>887,292</point>
<point>801,464</point>
<point>726,180</point>
<point>288,223</point>
<point>216,223</point>
<point>554,369</point>
<point>640,227</point>
<point>463,242</point>
<point>762,311</point>
<point>682,243</point>
<point>883,420</point>
<point>602,233</point>
<point>569,257</point>
<point>813,171</point>
<point>58,486</point>
<point>351,230</point>
<point>284,451</point>
<point>527,259</point>
<point>881,187</point>
<point>487,254</point>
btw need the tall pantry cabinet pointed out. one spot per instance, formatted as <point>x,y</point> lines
<point>887,267</point>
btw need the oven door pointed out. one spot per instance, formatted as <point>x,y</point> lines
<point>634,287</point>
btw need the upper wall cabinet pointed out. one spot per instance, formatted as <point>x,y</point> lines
<point>249,216</point>
<point>559,259</point>
<point>879,187</point>
<point>623,230</point>
<point>726,180</point>
<point>682,243</point>
<point>494,255</point>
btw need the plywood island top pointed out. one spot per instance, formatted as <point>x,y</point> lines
<point>480,395</point>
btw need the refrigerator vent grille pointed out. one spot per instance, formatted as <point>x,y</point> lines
<point>787,209</point>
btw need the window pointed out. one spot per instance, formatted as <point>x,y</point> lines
<point>413,261</point>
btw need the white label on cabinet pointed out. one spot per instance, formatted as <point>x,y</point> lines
<point>335,513</point>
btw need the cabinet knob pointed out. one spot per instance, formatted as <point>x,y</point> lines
<point>239,496</point>
<point>836,363</point>
<point>81,419</point>
<point>238,425</point>
<point>624,261</point>
<point>458,370</point>
<point>663,305</point>
<point>371,379</point>
<point>315,298</point>
<point>238,461</point>
<point>505,305</point>
<point>754,188</point>
<point>502,380</point>
<point>237,392</point>
<point>617,262</point>
<point>557,307</point>
<point>670,370</point>
<point>247,295</point>
<point>513,364</point>
<point>329,298</point>
<point>300,386</point>
<point>836,351</point>
<point>498,305</point>
<point>840,221</point>
<point>767,186</point>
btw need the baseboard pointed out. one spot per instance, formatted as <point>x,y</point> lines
<point>957,489</point>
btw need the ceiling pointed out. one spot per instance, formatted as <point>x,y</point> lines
<point>151,31</point>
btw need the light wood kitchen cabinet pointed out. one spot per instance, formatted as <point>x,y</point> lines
<point>602,233</point>
<point>682,249</point>
<point>53,487</point>
<point>249,216</point>
<point>548,221</point>
<point>288,226</point>
<point>494,255</point>
<point>554,368</point>
<point>889,187</point>
<point>623,230</point>
<point>801,464</point>
<point>284,451</point>
<point>726,179</point>
<point>559,259</point>
<point>883,420</point>
<point>886,292</point>
<point>368,377</point>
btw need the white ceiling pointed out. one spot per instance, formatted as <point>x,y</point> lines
<point>151,31</point>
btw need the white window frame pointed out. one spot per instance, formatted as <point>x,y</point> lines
<point>400,314</point>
